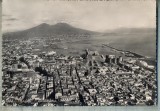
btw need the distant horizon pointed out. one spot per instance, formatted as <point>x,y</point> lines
<point>81,28</point>
<point>94,16</point>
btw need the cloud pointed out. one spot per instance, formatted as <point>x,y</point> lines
<point>8,24</point>
<point>11,19</point>
<point>96,16</point>
<point>5,15</point>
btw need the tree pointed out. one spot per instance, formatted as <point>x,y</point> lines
<point>150,102</point>
<point>22,59</point>
<point>39,69</point>
<point>19,66</point>
<point>116,99</point>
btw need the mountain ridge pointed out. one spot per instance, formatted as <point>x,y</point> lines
<point>44,29</point>
<point>47,30</point>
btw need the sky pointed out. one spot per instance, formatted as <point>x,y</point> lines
<point>90,15</point>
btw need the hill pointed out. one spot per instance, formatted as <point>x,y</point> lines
<point>46,30</point>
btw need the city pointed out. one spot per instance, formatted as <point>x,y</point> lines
<point>32,77</point>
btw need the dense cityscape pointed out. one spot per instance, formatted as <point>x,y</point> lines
<point>32,77</point>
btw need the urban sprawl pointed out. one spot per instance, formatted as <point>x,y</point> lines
<point>47,78</point>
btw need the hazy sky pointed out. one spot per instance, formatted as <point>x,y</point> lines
<point>95,16</point>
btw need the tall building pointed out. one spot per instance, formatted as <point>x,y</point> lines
<point>110,59</point>
<point>114,60</point>
<point>107,59</point>
<point>120,59</point>
<point>87,53</point>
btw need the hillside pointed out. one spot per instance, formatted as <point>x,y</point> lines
<point>46,30</point>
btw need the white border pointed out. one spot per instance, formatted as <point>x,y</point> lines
<point>86,108</point>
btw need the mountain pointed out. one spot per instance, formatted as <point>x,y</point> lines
<point>46,30</point>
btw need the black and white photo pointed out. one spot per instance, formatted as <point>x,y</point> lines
<point>79,53</point>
